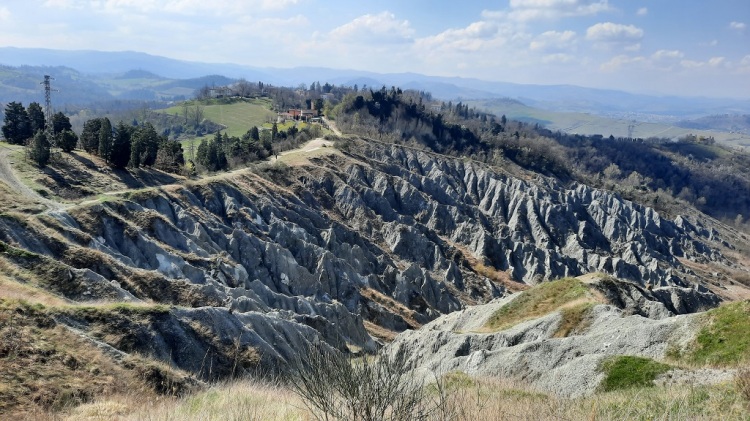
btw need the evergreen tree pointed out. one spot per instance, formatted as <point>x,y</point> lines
<point>105,140</point>
<point>255,134</point>
<point>121,146</point>
<point>170,157</point>
<point>67,140</point>
<point>17,127</point>
<point>144,146</point>
<point>274,131</point>
<point>201,155</point>
<point>36,117</point>
<point>60,123</point>
<point>39,149</point>
<point>90,135</point>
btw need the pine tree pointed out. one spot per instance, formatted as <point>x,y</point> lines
<point>36,117</point>
<point>144,146</point>
<point>60,123</point>
<point>67,140</point>
<point>39,149</point>
<point>121,146</point>
<point>17,127</point>
<point>105,140</point>
<point>90,135</point>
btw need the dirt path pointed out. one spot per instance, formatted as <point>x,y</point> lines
<point>8,176</point>
<point>310,146</point>
<point>332,126</point>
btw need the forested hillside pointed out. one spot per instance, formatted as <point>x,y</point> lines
<point>656,172</point>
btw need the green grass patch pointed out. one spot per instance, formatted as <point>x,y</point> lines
<point>538,301</point>
<point>238,116</point>
<point>628,372</point>
<point>724,340</point>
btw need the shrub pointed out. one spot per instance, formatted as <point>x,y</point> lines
<point>334,386</point>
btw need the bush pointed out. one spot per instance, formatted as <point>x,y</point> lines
<point>334,386</point>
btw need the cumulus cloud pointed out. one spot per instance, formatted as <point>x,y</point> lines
<point>553,40</point>
<point>667,55</point>
<point>468,39</point>
<point>618,62</point>
<point>383,27</point>
<point>737,26</point>
<point>529,10</point>
<point>613,32</point>
<point>712,62</point>
<point>607,35</point>
<point>643,11</point>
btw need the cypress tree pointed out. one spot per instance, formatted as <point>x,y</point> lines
<point>105,140</point>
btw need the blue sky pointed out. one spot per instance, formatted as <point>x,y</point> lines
<point>683,47</point>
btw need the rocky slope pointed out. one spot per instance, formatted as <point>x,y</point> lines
<point>349,248</point>
<point>621,319</point>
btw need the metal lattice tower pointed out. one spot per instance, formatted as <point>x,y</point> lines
<point>47,104</point>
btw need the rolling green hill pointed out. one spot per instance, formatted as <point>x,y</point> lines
<point>238,117</point>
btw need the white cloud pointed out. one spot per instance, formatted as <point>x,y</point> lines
<point>643,11</point>
<point>182,7</point>
<point>613,32</point>
<point>745,61</point>
<point>558,58</point>
<point>528,10</point>
<point>553,40</point>
<point>716,61</point>
<point>608,35</point>
<point>712,62</point>
<point>668,55</point>
<point>618,62</point>
<point>712,43</point>
<point>4,14</point>
<point>383,27</point>
<point>471,38</point>
<point>737,26</point>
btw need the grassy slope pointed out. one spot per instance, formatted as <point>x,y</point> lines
<point>237,117</point>
<point>723,341</point>
<point>569,295</point>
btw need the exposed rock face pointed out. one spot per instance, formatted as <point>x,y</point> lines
<point>295,253</point>
<point>530,351</point>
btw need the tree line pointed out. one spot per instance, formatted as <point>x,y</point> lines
<point>120,146</point>
<point>662,173</point>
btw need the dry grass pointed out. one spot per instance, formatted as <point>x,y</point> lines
<point>570,295</point>
<point>742,382</point>
<point>392,305</point>
<point>380,332</point>
<point>464,399</point>
<point>242,400</point>
<point>45,367</point>
<point>11,289</point>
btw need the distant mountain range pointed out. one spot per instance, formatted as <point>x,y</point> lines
<point>94,75</point>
